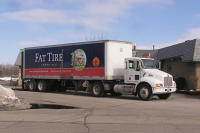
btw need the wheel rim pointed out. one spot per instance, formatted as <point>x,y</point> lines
<point>40,87</point>
<point>31,86</point>
<point>144,93</point>
<point>96,90</point>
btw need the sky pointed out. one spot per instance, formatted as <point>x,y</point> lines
<point>29,23</point>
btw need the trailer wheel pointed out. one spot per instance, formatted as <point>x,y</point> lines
<point>145,92</point>
<point>164,96</point>
<point>32,85</point>
<point>42,86</point>
<point>25,85</point>
<point>97,90</point>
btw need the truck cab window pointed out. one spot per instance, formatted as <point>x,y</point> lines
<point>148,64</point>
<point>131,65</point>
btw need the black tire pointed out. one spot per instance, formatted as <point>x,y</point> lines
<point>97,90</point>
<point>25,85</point>
<point>181,83</point>
<point>42,86</point>
<point>164,96</point>
<point>145,92</point>
<point>32,85</point>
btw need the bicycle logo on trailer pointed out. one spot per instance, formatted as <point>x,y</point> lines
<point>79,59</point>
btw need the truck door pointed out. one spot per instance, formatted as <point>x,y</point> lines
<point>132,72</point>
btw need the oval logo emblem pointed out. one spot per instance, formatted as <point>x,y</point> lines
<point>79,59</point>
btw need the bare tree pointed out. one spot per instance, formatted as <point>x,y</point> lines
<point>8,70</point>
<point>95,37</point>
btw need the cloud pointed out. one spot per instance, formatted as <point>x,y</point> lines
<point>37,16</point>
<point>190,34</point>
<point>193,33</point>
<point>90,14</point>
<point>24,3</point>
<point>37,42</point>
<point>36,3</point>
<point>30,2</point>
<point>18,4</point>
<point>26,43</point>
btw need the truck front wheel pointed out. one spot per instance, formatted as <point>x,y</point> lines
<point>97,90</point>
<point>145,92</point>
<point>164,96</point>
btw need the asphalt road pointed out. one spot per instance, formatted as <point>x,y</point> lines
<point>179,114</point>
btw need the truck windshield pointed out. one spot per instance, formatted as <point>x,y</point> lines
<point>148,64</point>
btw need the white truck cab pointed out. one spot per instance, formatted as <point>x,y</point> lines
<point>143,78</point>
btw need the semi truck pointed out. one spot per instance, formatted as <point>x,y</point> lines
<point>97,67</point>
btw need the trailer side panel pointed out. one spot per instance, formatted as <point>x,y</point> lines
<point>115,54</point>
<point>84,61</point>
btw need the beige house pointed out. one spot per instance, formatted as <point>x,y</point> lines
<point>183,62</point>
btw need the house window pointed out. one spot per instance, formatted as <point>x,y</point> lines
<point>169,68</point>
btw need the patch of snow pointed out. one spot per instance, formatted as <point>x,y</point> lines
<point>6,92</point>
<point>14,79</point>
<point>8,100</point>
<point>5,78</point>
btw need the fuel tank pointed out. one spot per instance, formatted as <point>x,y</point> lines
<point>124,89</point>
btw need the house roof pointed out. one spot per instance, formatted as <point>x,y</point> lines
<point>188,51</point>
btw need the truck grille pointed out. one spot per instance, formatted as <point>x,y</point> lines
<point>167,81</point>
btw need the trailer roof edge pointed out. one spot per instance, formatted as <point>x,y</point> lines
<point>78,43</point>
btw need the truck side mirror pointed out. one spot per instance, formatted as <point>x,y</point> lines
<point>158,65</point>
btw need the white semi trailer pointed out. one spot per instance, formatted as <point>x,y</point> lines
<point>98,67</point>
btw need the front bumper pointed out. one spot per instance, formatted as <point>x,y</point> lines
<point>164,90</point>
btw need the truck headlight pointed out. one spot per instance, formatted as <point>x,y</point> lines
<point>158,85</point>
